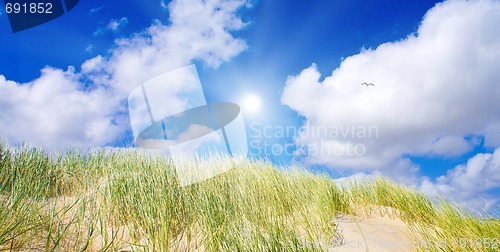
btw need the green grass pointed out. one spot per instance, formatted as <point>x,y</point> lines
<point>127,201</point>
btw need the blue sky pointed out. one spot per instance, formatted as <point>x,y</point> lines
<point>434,103</point>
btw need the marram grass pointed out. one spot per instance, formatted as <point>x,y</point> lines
<point>112,201</point>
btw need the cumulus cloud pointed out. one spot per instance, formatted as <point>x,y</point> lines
<point>435,93</point>
<point>469,184</point>
<point>66,108</point>
<point>199,30</point>
<point>55,109</point>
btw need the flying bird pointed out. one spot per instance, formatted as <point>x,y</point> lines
<point>367,84</point>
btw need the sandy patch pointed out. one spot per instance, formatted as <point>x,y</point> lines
<point>379,233</point>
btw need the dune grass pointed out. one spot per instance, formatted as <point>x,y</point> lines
<point>113,201</point>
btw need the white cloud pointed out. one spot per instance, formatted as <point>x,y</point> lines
<point>435,93</point>
<point>469,183</point>
<point>90,48</point>
<point>64,109</point>
<point>95,10</point>
<point>196,33</point>
<point>356,178</point>
<point>163,4</point>
<point>55,110</point>
<point>492,135</point>
<point>115,24</point>
<point>196,138</point>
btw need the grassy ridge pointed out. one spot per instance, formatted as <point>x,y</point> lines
<point>125,200</point>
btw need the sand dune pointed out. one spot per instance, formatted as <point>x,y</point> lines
<point>374,234</point>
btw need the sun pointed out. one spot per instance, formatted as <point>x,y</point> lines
<point>251,103</point>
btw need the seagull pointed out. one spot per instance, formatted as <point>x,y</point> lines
<point>367,84</point>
